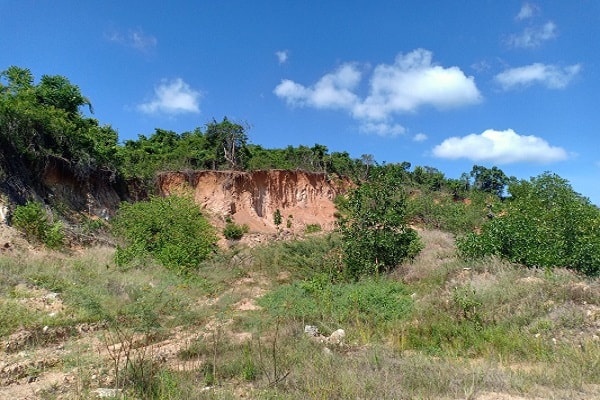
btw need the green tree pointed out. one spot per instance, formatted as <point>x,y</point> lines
<point>228,141</point>
<point>375,234</point>
<point>490,180</point>
<point>546,224</point>
<point>56,91</point>
<point>42,124</point>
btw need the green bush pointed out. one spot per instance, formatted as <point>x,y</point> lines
<point>546,225</point>
<point>233,231</point>
<point>375,234</point>
<point>170,229</point>
<point>312,228</point>
<point>32,220</point>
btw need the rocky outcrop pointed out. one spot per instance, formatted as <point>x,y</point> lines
<point>252,198</point>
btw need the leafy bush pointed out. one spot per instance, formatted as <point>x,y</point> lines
<point>32,220</point>
<point>171,230</point>
<point>375,234</point>
<point>233,231</point>
<point>546,225</point>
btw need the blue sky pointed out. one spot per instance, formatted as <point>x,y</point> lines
<point>447,84</point>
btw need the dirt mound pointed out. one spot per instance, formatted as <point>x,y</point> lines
<point>251,198</point>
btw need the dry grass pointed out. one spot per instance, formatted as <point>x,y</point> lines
<point>479,330</point>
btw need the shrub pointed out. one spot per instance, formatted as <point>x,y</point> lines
<point>233,231</point>
<point>375,234</point>
<point>546,225</point>
<point>32,220</point>
<point>170,229</point>
<point>312,228</point>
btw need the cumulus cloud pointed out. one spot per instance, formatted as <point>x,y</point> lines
<point>414,81</point>
<point>500,147</point>
<point>550,76</point>
<point>135,39</point>
<point>527,11</point>
<point>333,91</point>
<point>382,128</point>
<point>420,137</point>
<point>282,56</point>
<point>411,82</point>
<point>534,36</point>
<point>172,97</point>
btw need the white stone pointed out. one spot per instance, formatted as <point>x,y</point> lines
<point>337,337</point>
<point>311,330</point>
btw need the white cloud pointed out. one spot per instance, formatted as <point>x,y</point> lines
<point>500,147</point>
<point>413,81</point>
<point>332,91</point>
<point>282,56</point>
<point>420,137</point>
<point>527,11</point>
<point>550,76</point>
<point>382,128</point>
<point>135,38</point>
<point>172,97</point>
<point>533,37</point>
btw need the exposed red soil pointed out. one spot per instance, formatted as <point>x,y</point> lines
<point>252,198</point>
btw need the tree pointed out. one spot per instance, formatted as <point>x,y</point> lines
<point>429,177</point>
<point>368,161</point>
<point>546,224</point>
<point>376,237</point>
<point>228,141</point>
<point>490,180</point>
<point>42,124</point>
<point>58,92</point>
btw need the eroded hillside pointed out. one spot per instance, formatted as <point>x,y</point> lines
<point>252,198</point>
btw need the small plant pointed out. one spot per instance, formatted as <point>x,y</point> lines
<point>312,228</point>
<point>277,218</point>
<point>33,221</point>
<point>465,300</point>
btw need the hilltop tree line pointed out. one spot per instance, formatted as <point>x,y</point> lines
<point>43,123</point>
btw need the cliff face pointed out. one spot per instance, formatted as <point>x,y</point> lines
<point>252,197</point>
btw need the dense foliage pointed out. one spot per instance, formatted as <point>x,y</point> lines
<point>171,230</point>
<point>546,224</point>
<point>32,219</point>
<point>375,234</point>
<point>42,123</point>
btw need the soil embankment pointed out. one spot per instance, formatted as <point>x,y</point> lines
<point>251,198</point>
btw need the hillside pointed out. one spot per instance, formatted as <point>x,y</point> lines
<point>251,198</point>
<point>78,327</point>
